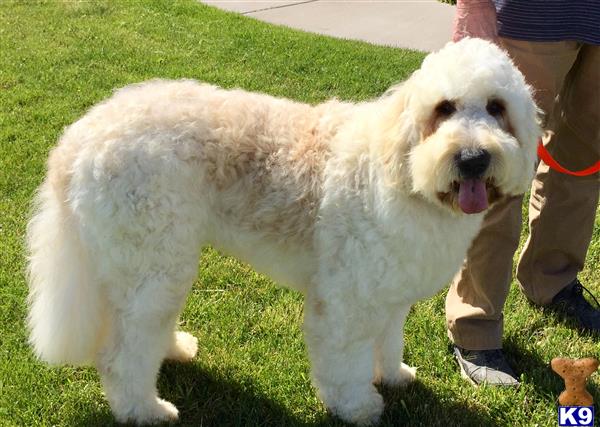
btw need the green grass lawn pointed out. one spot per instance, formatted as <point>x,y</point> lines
<point>59,58</point>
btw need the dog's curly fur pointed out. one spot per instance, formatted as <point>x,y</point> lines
<point>356,205</point>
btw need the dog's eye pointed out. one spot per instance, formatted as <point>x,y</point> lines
<point>495,107</point>
<point>445,108</point>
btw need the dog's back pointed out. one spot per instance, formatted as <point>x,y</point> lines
<point>165,164</point>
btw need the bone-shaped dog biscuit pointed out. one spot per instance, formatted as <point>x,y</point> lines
<point>575,373</point>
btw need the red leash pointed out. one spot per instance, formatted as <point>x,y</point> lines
<point>549,160</point>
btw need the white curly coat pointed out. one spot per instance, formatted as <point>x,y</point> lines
<point>355,205</point>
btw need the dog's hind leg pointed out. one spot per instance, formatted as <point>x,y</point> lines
<point>140,337</point>
<point>389,368</point>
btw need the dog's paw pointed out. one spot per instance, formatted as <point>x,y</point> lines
<point>163,411</point>
<point>362,409</point>
<point>155,411</point>
<point>184,347</point>
<point>400,377</point>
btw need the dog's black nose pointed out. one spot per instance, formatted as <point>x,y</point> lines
<point>472,163</point>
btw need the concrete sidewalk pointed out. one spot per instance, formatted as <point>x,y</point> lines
<point>416,24</point>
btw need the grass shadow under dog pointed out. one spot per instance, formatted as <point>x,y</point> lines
<point>206,399</point>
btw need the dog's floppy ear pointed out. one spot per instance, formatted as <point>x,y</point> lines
<point>398,133</point>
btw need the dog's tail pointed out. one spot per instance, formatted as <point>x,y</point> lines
<point>65,305</point>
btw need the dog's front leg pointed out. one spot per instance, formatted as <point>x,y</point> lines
<point>341,351</point>
<point>389,368</point>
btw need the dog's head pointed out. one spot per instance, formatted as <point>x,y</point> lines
<point>472,127</point>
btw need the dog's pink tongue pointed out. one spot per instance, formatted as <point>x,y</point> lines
<point>472,196</point>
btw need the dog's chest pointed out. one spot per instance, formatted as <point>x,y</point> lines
<point>425,254</point>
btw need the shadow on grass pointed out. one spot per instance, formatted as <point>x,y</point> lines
<point>418,405</point>
<point>204,399</point>
<point>564,319</point>
<point>208,399</point>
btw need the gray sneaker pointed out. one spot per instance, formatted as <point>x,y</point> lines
<point>485,366</point>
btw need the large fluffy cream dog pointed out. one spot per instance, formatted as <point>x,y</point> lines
<point>365,208</point>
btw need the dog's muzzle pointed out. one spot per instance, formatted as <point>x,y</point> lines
<point>472,163</point>
<point>472,192</point>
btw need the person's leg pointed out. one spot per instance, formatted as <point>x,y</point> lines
<point>477,295</point>
<point>545,66</point>
<point>563,207</point>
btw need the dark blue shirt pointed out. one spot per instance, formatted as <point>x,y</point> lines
<point>549,20</point>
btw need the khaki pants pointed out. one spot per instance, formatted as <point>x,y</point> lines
<point>562,208</point>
